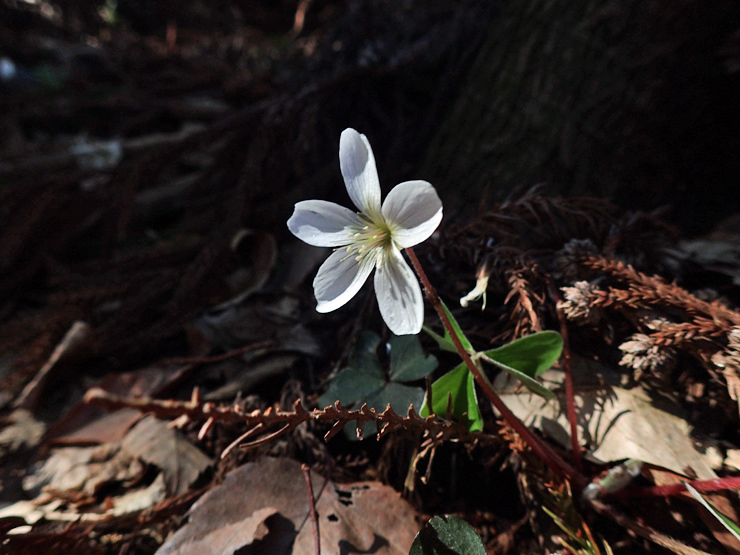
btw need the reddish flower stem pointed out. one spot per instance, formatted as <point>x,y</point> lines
<point>570,396</point>
<point>702,486</point>
<point>539,447</point>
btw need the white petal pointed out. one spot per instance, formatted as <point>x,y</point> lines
<point>357,163</point>
<point>340,278</point>
<point>399,294</point>
<point>413,210</point>
<point>323,224</point>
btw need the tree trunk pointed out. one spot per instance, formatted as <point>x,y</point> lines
<point>624,99</point>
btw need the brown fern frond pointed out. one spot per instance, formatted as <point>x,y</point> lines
<point>527,302</point>
<point>261,424</point>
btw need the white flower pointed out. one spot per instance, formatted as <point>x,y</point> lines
<point>371,238</point>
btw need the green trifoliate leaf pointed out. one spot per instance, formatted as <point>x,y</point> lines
<point>408,361</point>
<point>364,354</point>
<point>351,385</point>
<point>362,378</point>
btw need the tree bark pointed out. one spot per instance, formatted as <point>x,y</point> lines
<point>622,99</point>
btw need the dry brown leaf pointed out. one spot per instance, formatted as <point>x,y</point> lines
<point>87,469</point>
<point>20,431</point>
<point>154,442</point>
<point>615,424</point>
<point>354,518</point>
<point>85,424</point>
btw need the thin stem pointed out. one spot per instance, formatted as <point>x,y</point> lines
<point>314,516</point>
<point>540,448</point>
<point>570,397</point>
<point>669,490</point>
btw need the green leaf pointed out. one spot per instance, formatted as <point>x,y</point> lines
<point>350,385</point>
<point>445,342</point>
<point>364,355</point>
<point>447,535</point>
<point>530,383</point>
<point>408,361</point>
<point>532,354</point>
<point>458,385</point>
<point>527,358</point>
<point>362,378</point>
<point>726,522</point>
<point>399,396</point>
<point>456,327</point>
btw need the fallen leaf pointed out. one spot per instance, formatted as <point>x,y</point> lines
<point>353,518</point>
<point>181,462</point>
<point>141,498</point>
<point>89,469</point>
<point>21,431</point>
<point>251,374</point>
<point>260,317</point>
<point>615,424</point>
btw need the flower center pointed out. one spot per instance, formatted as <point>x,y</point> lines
<point>369,238</point>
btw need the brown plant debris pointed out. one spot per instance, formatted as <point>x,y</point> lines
<point>260,422</point>
<point>706,330</point>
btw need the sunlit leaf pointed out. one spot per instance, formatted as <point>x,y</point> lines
<point>530,383</point>
<point>457,385</point>
<point>531,355</point>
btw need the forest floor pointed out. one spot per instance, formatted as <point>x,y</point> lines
<point>165,380</point>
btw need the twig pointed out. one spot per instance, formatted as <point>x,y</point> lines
<point>314,516</point>
<point>75,339</point>
<point>221,357</point>
<point>645,531</point>
<point>540,448</point>
<point>300,17</point>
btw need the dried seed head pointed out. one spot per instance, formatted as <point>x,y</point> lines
<point>566,259</point>
<point>578,303</point>
<point>643,355</point>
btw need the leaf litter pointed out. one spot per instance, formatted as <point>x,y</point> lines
<point>263,507</point>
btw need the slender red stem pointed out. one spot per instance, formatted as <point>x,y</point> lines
<point>540,448</point>
<point>570,396</point>
<point>702,486</point>
<point>314,516</point>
